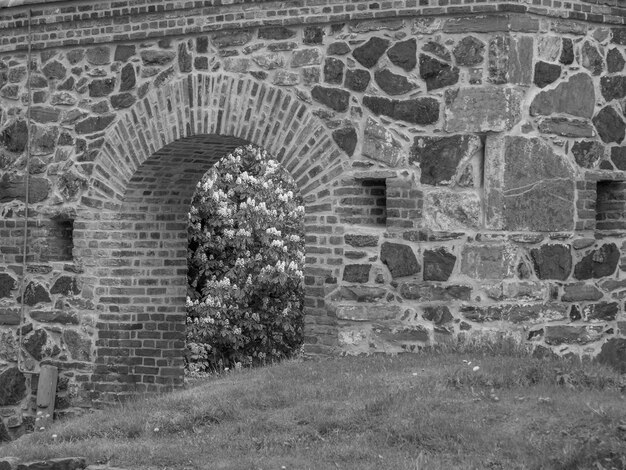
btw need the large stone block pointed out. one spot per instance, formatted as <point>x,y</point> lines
<point>447,210</point>
<point>599,263</point>
<point>438,264</point>
<point>400,259</point>
<point>441,159</point>
<point>481,109</point>
<point>422,111</point>
<point>527,186</point>
<point>552,261</point>
<point>369,53</point>
<point>12,387</point>
<point>570,334</point>
<point>433,292</point>
<point>575,96</point>
<point>486,261</point>
<point>14,187</point>
<point>515,313</point>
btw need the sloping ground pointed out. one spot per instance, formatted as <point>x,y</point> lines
<point>424,411</point>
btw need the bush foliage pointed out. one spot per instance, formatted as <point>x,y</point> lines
<point>245,259</point>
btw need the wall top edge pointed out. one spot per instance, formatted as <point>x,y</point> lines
<point>55,23</point>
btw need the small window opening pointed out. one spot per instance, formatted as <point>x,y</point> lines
<point>60,241</point>
<point>611,205</point>
<point>365,203</point>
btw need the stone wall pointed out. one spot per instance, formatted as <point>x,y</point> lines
<point>462,176</point>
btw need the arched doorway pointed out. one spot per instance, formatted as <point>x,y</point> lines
<point>131,234</point>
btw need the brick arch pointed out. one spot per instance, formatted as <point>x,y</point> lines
<point>131,235</point>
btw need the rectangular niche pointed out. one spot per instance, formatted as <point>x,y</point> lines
<point>59,240</point>
<point>365,202</point>
<point>611,205</point>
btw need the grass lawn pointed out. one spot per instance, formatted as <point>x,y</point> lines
<point>420,411</point>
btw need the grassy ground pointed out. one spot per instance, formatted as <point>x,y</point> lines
<point>423,411</point>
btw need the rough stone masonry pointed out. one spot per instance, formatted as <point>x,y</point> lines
<point>462,164</point>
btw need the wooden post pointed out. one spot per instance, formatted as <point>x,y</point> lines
<point>46,395</point>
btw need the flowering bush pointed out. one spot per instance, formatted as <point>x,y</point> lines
<point>245,258</point>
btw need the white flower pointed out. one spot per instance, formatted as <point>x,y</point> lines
<point>475,368</point>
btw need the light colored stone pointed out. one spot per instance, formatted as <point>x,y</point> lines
<point>446,210</point>
<point>379,144</point>
<point>482,109</point>
<point>487,261</point>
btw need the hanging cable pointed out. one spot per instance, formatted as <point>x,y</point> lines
<point>26,196</point>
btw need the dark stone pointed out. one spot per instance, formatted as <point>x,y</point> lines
<point>202,44</point>
<point>618,36</point>
<point>9,316</point>
<point>566,334</point>
<point>277,33</point>
<point>400,259</point>
<point>581,291</point>
<point>546,73</point>
<point>591,59</point>
<point>438,264</point>
<point>4,437</point>
<point>184,58</point>
<point>613,354</point>
<point>123,52</point>
<point>614,61</point>
<point>369,53</point>
<point>313,35</point>
<point>613,87</point>
<point>575,97</point>
<point>12,387</point>
<point>14,187</point>
<point>355,254</point>
<point>78,346</point>
<point>439,157</point>
<point>437,74</point>
<point>438,50</point>
<point>75,56</point>
<point>439,314</point>
<point>361,240</point>
<point>402,335</point>
<point>610,125</point>
<point>66,85</point>
<point>333,70</point>
<point>393,84</point>
<point>588,153</point>
<point>54,70</point>
<point>469,51</point>
<point>552,261</point>
<point>7,284</point>
<point>334,98</point>
<point>338,48</point>
<point>71,183</point>
<point>101,87</point>
<point>618,157</point>
<point>403,54</point>
<point>99,55</point>
<point>156,57</point>
<point>35,293</point>
<point>567,52</point>
<point>15,136</point>
<point>66,285</point>
<point>346,138</point>
<point>123,100</point>
<point>599,263</point>
<point>567,127</point>
<point>357,80</point>
<point>422,111</point>
<point>94,124</point>
<point>201,63</point>
<point>428,292</point>
<point>35,344</point>
<point>603,311</point>
<point>55,316</point>
<point>357,272</point>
